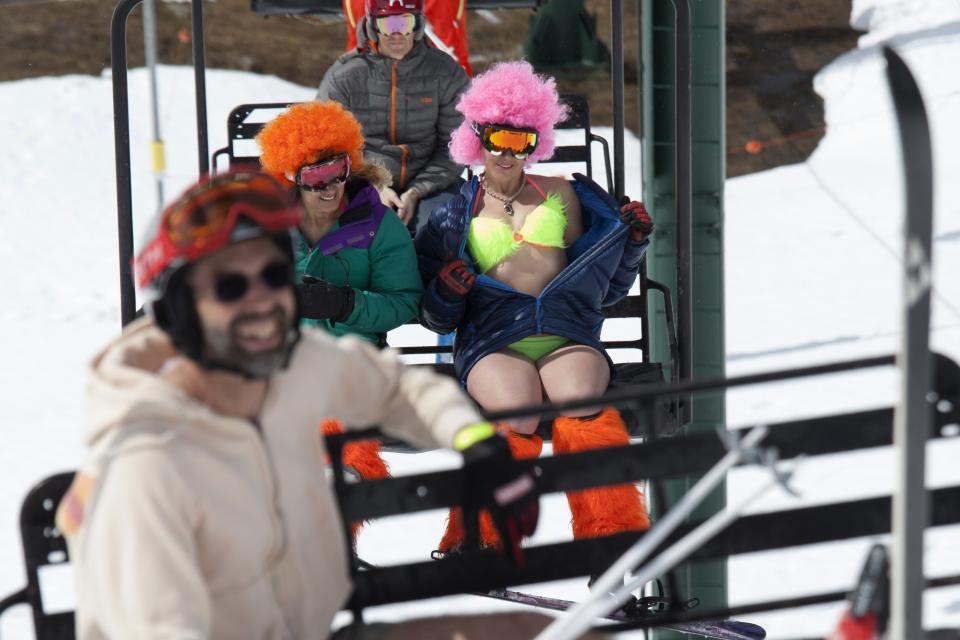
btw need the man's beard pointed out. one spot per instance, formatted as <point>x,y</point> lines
<point>224,351</point>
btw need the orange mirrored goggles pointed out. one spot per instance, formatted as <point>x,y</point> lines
<point>497,138</point>
<point>202,220</point>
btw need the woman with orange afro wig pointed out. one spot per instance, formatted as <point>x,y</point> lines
<point>520,265</point>
<point>356,266</point>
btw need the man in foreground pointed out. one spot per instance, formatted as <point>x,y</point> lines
<point>203,509</point>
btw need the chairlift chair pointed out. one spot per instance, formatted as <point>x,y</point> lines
<point>43,546</point>
<point>246,120</point>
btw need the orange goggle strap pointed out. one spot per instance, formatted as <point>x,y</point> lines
<point>195,226</point>
<point>499,138</point>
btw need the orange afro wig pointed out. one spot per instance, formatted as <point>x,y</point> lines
<point>308,132</point>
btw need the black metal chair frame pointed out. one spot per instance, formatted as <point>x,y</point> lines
<point>43,546</point>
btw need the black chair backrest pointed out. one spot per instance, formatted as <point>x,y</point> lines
<point>242,129</point>
<point>243,125</point>
<point>43,546</point>
<point>579,118</point>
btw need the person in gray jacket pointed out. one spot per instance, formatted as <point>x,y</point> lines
<point>403,91</point>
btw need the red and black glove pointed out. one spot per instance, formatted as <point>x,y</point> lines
<point>492,481</point>
<point>455,280</point>
<point>635,214</point>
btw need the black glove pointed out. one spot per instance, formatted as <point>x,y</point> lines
<point>635,214</point>
<point>320,300</point>
<point>455,280</point>
<point>492,481</point>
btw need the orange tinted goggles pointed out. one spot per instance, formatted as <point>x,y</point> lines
<point>497,138</point>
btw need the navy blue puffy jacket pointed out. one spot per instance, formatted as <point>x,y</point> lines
<point>602,265</point>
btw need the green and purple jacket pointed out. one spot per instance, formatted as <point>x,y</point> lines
<point>370,250</point>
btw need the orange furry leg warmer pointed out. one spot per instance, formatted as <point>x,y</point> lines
<point>522,447</point>
<point>606,510</point>
<point>362,456</point>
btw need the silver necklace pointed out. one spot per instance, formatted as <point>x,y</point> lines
<point>506,200</point>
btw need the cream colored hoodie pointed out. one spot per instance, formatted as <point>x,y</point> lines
<point>183,523</point>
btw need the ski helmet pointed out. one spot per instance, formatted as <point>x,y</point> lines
<point>214,213</point>
<point>377,8</point>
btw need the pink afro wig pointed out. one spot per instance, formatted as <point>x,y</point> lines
<point>508,93</point>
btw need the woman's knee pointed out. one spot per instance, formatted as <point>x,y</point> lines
<point>525,426</point>
<point>574,375</point>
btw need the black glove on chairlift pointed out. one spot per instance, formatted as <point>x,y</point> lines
<point>492,481</point>
<point>321,300</point>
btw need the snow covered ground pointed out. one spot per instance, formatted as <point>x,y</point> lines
<point>813,254</point>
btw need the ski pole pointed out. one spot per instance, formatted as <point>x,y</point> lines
<point>579,617</point>
<point>678,551</point>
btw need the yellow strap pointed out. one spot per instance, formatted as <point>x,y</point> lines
<point>472,434</point>
<point>157,156</point>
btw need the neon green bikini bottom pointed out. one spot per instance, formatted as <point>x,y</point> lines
<point>535,347</point>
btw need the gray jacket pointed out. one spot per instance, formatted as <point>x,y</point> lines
<point>406,108</point>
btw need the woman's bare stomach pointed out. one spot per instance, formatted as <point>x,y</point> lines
<point>530,269</point>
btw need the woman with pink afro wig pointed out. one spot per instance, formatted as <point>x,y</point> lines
<point>520,266</point>
<point>508,93</point>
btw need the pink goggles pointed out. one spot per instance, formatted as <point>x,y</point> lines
<point>401,23</point>
<point>319,176</point>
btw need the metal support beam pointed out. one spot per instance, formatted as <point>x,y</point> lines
<point>683,151</point>
<point>199,81</point>
<point>121,146</point>
<point>684,193</point>
<point>616,73</point>
<point>150,57</point>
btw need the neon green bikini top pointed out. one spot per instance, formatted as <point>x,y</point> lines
<point>491,241</point>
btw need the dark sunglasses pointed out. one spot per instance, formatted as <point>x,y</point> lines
<point>230,287</point>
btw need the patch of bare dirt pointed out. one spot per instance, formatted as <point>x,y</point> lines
<point>774,47</point>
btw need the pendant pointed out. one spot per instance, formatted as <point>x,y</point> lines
<point>508,208</point>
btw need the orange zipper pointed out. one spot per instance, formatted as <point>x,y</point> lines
<point>393,103</point>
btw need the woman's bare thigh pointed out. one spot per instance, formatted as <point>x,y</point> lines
<point>572,372</point>
<point>504,380</point>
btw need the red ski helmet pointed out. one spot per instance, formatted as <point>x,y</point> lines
<point>377,8</point>
<point>216,212</point>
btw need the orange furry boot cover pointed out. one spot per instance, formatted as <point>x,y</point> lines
<point>362,456</point>
<point>606,510</point>
<point>522,447</point>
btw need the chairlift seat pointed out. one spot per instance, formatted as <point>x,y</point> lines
<point>43,546</point>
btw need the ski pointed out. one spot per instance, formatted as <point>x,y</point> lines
<point>867,612</point>
<point>912,416</point>
<point>717,629</point>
